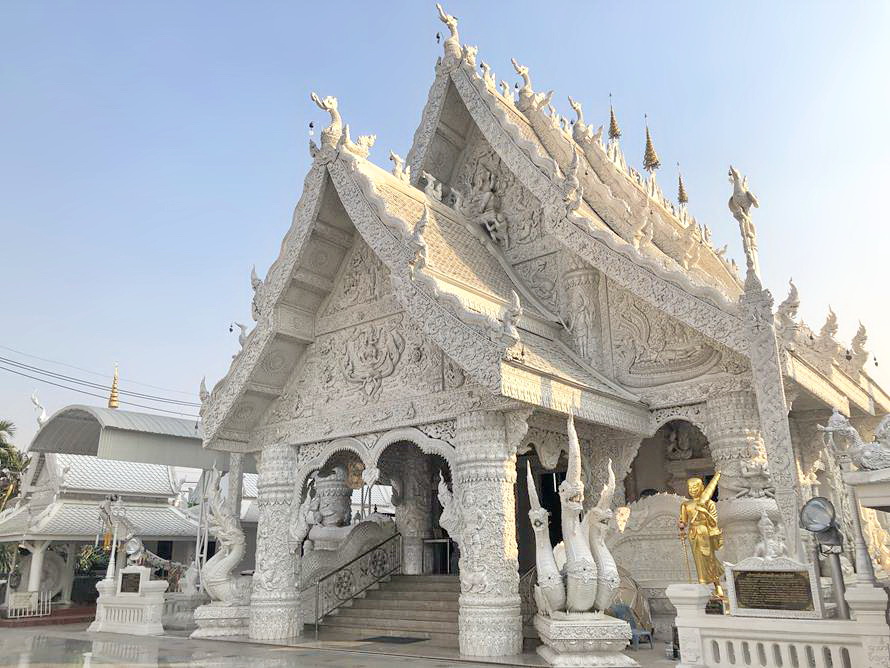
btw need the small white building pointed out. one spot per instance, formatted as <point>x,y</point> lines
<point>57,512</point>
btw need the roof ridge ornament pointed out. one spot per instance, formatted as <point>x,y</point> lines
<point>400,170</point>
<point>740,203</point>
<point>572,189</point>
<point>114,396</point>
<point>41,411</point>
<point>256,283</point>
<point>417,244</point>
<point>614,129</point>
<point>453,51</point>
<point>650,158</point>
<point>528,99</point>
<point>330,136</point>
<point>360,147</point>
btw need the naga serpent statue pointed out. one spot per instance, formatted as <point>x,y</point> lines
<point>590,579</point>
<point>864,456</point>
<point>224,588</point>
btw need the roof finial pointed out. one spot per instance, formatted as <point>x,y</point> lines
<point>682,197</point>
<point>650,159</point>
<point>113,397</point>
<point>614,130</point>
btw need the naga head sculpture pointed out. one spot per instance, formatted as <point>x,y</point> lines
<point>571,490</point>
<point>537,515</point>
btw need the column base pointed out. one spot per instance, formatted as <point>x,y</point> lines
<point>588,639</point>
<point>275,620</point>
<point>220,621</point>
<point>490,629</point>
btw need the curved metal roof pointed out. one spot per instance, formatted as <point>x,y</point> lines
<point>128,436</point>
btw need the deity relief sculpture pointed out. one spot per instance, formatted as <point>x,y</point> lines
<point>590,580</point>
<point>772,542</point>
<point>864,456</point>
<point>698,525</point>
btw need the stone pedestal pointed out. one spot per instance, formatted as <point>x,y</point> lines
<point>586,639</point>
<point>131,603</point>
<point>216,620</point>
<point>690,601</point>
<point>179,609</point>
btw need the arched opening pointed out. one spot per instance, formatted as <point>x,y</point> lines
<point>666,460</point>
<point>413,477</point>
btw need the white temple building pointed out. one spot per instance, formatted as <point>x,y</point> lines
<point>441,318</point>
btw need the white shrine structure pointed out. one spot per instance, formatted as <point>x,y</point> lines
<point>444,316</point>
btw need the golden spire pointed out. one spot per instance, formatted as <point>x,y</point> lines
<point>650,159</point>
<point>113,398</point>
<point>682,197</point>
<point>614,130</point>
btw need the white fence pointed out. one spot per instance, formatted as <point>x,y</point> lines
<point>29,604</point>
<point>718,641</point>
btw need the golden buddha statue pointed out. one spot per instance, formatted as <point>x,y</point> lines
<point>698,523</point>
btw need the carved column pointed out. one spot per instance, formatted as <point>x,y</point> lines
<point>490,623</point>
<point>738,451</point>
<point>413,510</point>
<point>274,605</point>
<point>766,372</point>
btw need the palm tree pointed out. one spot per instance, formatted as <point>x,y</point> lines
<point>12,463</point>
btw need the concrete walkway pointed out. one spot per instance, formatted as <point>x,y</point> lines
<point>71,645</point>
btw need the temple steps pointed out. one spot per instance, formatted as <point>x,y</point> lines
<point>412,606</point>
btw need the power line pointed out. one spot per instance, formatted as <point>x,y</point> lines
<point>97,386</point>
<point>92,394</point>
<point>94,373</point>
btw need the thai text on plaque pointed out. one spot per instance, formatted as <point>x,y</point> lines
<point>773,590</point>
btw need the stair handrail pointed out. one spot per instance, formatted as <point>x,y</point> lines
<point>377,577</point>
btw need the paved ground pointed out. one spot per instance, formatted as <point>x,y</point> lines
<point>71,645</point>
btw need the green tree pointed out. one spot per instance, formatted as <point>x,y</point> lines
<point>12,463</point>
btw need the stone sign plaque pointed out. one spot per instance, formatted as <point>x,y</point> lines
<point>130,583</point>
<point>773,590</point>
<point>778,587</point>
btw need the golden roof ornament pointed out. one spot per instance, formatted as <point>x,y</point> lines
<point>682,197</point>
<point>113,397</point>
<point>650,159</point>
<point>614,130</point>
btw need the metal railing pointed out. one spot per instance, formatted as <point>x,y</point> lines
<point>29,604</point>
<point>357,576</point>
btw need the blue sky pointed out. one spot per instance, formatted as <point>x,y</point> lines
<point>150,153</point>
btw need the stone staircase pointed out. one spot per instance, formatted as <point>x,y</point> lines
<point>405,606</point>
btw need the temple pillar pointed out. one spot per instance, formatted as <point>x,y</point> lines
<point>35,570</point>
<point>772,406</point>
<point>738,451</point>
<point>413,509</point>
<point>274,604</point>
<point>489,620</point>
<point>68,575</point>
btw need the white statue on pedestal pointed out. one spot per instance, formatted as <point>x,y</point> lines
<point>571,602</point>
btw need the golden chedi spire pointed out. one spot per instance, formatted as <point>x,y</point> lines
<point>650,159</point>
<point>113,397</point>
<point>682,197</point>
<point>614,130</point>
